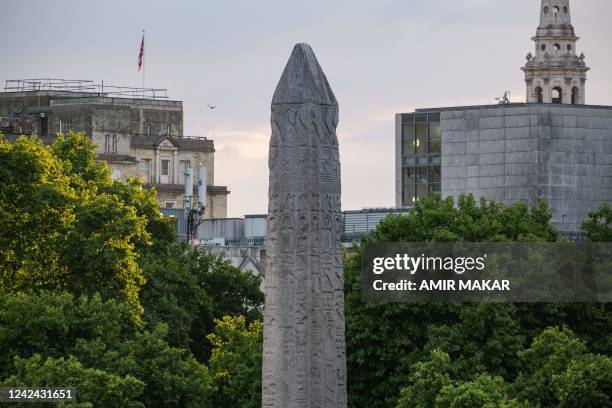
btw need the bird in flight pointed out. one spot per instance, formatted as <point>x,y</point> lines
<point>211,106</point>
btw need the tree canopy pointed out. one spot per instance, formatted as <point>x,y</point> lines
<point>390,347</point>
<point>65,225</point>
<point>114,304</point>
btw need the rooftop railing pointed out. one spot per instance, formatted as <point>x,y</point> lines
<point>83,86</point>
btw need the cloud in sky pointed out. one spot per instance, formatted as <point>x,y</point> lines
<point>381,57</point>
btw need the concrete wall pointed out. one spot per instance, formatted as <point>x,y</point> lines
<point>255,226</point>
<point>526,152</point>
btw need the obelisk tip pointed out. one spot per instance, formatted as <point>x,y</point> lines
<point>303,80</point>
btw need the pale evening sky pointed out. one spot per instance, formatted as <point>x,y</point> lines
<point>380,57</point>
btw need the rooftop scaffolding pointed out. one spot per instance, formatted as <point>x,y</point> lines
<point>82,86</point>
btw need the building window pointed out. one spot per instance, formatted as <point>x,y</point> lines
<point>165,167</point>
<point>565,9</point>
<point>422,182</point>
<point>148,129</point>
<point>421,147</point>
<point>420,142</point>
<point>546,9</point>
<point>543,47</point>
<point>556,10</point>
<point>434,180</point>
<point>557,48</point>
<point>408,186</point>
<point>539,95</point>
<point>110,143</point>
<point>408,140</point>
<point>575,96</point>
<point>169,204</point>
<point>168,130</point>
<point>557,95</point>
<point>435,137</point>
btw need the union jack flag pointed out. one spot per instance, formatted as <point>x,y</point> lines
<point>141,54</point>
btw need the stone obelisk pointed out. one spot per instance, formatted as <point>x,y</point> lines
<point>304,364</point>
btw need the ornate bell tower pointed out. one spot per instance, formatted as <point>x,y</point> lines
<point>555,74</point>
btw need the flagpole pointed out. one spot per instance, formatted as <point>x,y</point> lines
<point>144,66</point>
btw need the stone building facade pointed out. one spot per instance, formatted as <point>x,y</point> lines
<point>139,136</point>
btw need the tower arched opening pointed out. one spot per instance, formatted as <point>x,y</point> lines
<point>557,95</point>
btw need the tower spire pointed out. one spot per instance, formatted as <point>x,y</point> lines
<point>555,12</point>
<point>555,74</point>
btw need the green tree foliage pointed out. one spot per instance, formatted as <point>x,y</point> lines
<point>556,371</point>
<point>95,388</point>
<point>172,292</point>
<point>160,229</point>
<point>426,380</point>
<point>172,377</point>
<point>235,364</point>
<point>586,383</point>
<point>549,354</point>
<point>578,378</point>
<point>485,339</point>
<point>404,332</point>
<point>598,227</point>
<point>233,293</point>
<point>65,225</point>
<point>483,392</point>
<point>36,213</point>
<point>51,324</point>
<point>103,336</point>
<point>80,254</point>
<point>385,341</point>
<point>437,220</point>
<point>559,371</point>
<point>188,289</point>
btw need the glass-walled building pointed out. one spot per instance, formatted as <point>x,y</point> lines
<point>420,156</point>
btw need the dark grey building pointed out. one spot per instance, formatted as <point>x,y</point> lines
<point>509,153</point>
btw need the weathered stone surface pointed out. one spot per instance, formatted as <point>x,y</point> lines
<point>567,166</point>
<point>304,363</point>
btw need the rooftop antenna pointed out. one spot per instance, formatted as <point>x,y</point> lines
<point>505,99</point>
